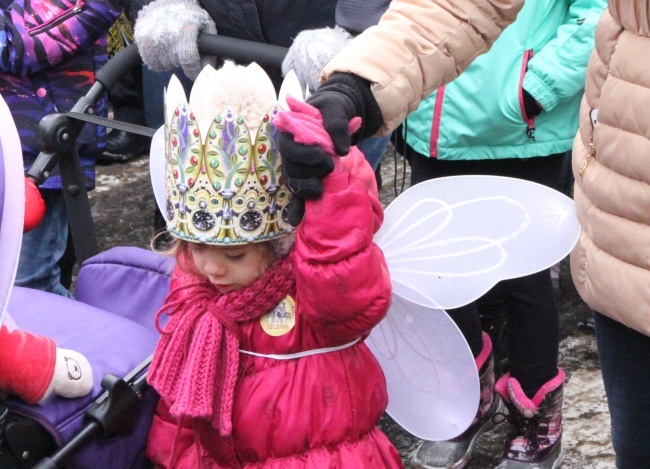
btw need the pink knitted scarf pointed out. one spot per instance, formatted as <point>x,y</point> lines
<point>197,358</point>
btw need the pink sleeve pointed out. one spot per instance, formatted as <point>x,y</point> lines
<point>343,285</point>
<point>26,364</point>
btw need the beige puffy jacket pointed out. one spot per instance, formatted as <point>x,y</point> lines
<point>611,263</point>
<point>420,45</point>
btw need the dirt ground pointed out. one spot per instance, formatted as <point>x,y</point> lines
<point>123,209</point>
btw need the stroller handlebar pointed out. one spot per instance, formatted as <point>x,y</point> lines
<point>110,74</point>
<point>240,50</point>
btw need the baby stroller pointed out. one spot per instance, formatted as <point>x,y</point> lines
<point>117,293</point>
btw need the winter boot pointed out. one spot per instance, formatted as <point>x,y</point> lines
<point>457,452</point>
<point>535,440</point>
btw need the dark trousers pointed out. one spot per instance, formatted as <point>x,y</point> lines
<point>625,364</point>
<point>528,303</point>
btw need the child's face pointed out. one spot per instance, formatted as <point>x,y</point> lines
<point>230,268</point>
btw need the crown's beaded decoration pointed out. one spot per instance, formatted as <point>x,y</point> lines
<point>224,188</point>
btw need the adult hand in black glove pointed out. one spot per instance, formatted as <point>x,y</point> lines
<point>303,167</point>
<point>341,98</point>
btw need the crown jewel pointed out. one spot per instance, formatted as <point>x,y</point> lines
<point>223,170</point>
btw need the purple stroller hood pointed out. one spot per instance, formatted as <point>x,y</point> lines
<point>12,203</point>
<point>127,281</point>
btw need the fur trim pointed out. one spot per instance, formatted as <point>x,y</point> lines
<point>501,385</point>
<point>519,399</point>
<point>485,352</point>
<point>511,391</point>
<point>549,386</point>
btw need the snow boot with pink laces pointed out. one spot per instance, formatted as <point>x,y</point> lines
<point>535,439</point>
<point>456,453</point>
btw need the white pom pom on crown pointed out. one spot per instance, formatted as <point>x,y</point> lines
<point>247,90</point>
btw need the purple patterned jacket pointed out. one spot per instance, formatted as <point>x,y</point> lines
<point>50,51</point>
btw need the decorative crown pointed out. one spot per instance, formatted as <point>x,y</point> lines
<point>223,168</point>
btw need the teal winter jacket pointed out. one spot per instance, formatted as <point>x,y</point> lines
<point>481,115</point>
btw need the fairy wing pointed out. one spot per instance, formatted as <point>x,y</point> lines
<point>432,382</point>
<point>12,204</point>
<point>447,242</point>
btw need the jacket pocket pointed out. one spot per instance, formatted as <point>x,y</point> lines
<point>528,120</point>
<point>57,19</point>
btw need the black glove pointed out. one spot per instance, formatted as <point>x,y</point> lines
<point>531,106</point>
<point>342,97</point>
<point>303,167</point>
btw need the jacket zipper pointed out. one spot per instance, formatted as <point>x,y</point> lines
<point>435,126</point>
<point>530,121</point>
<point>593,116</point>
<point>58,19</point>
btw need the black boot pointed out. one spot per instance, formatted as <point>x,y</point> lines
<point>122,146</point>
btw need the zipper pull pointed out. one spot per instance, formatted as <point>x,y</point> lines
<point>591,156</point>
<point>531,132</point>
<point>78,6</point>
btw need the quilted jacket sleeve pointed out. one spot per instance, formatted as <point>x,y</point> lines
<point>557,71</point>
<point>26,364</point>
<point>35,35</point>
<point>343,285</point>
<point>422,44</point>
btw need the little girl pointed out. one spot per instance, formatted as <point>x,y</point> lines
<point>263,362</point>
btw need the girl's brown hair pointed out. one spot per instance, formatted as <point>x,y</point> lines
<point>180,249</point>
<point>176,248</point>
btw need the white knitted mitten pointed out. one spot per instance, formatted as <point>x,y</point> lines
<point>167,31</point>
<point>73,375</point>
<point>311,50</point>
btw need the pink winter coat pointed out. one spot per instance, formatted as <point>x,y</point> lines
<point>317,411</point>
